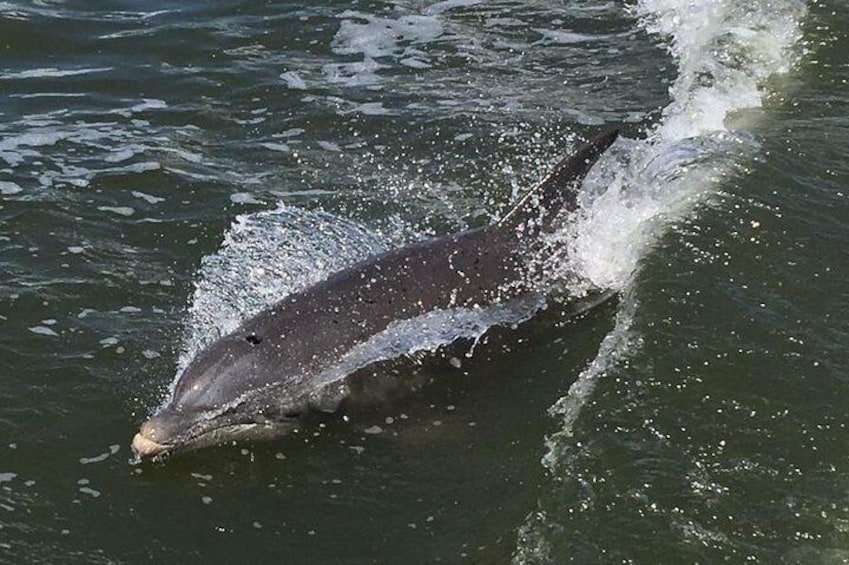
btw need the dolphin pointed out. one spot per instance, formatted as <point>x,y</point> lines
<point>262,380</point>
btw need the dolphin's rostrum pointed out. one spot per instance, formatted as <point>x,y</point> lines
<point>260,380</point>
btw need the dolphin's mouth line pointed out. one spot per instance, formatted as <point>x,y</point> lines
<point>199,435</point>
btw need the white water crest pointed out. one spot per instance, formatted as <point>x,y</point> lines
<point>725,50</point>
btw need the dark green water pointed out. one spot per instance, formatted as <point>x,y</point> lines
<point>700,418</point>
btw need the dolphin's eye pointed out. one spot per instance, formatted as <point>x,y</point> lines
<point>253,339</point>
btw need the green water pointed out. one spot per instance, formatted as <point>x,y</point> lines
<point>711,424</point>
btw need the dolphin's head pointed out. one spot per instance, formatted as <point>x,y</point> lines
<point>218,399</point>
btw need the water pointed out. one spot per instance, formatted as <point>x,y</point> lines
<point>166,168</point>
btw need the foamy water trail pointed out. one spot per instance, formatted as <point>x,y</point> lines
<point>725,50</point>
<point>687,154</point>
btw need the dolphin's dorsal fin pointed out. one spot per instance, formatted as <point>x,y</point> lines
<point>558,189</point>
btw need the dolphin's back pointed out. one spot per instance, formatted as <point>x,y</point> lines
<point>311,329</point>
<point>306,332</point>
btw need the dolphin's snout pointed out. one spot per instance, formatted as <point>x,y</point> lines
<point>150,430</point>
<point>146,447</point>
<point>156,435</point>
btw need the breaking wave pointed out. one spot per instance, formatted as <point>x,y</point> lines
<point>724,51</point>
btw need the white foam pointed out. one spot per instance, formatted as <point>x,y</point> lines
<point>376,37</point>
<point>329,146</point>
<point>8,188</point>
<point>565,37</point>
<point>149,198</point>
<point>120,210</point>
<point>63,147</point>
<point>32,95</point>
<point>372,109</point>
<point>414,63</point>
<point>271,146</point>
<point>293,80</point>
<point>51,72</point>
<point>359,73</point>
<point>243,198</point>
<point>294,132</point>
<point>140,167</point>
<point>446,5</point>
<point>380,37</point>
<point>122,154</point>
<point>38,138</point>
<point>149,104</point>
<point>725,51</point>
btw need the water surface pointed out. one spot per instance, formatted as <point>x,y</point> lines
<point>166,168</point>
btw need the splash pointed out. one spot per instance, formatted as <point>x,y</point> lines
<point>264,257</point>
<point>725,51</point>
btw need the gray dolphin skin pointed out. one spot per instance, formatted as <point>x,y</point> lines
<point>260,381</point>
